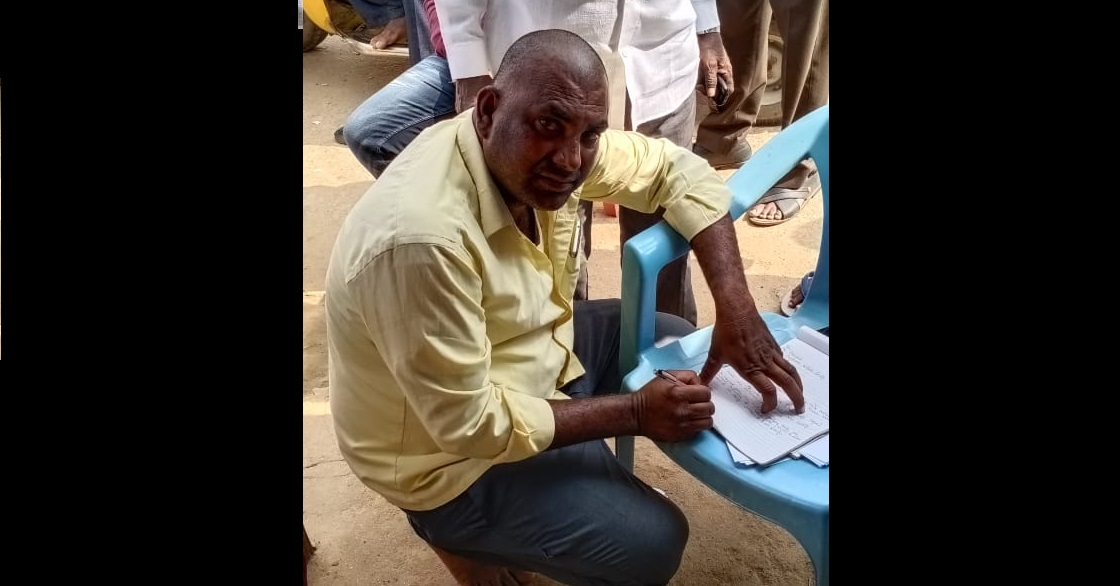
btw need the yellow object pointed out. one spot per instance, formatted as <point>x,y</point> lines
<point>449,329</point>
<point>316,10</point>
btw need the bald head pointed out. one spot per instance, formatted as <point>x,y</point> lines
<point>541,53</point>
<point>539,122</point>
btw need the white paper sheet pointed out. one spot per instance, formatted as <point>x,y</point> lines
<point>767,438</point>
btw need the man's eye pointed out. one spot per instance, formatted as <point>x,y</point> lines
<point>547,124</point>
<point>590,139</point>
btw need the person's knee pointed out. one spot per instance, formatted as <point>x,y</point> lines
<point>655,548</point>
<point>664,554</point>
<point>366,146</point>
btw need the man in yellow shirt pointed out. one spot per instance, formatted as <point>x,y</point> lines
<point>467,388</point>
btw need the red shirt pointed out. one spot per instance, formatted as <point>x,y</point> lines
<point>433,26</point>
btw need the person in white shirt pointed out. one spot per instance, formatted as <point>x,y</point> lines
<point>657,53</point>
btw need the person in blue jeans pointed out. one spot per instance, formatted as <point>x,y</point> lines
<point>379,129</point>
<point>398,20</point>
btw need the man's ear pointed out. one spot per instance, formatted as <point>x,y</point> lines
<point>485,103</point>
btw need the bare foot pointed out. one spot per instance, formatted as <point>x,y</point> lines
<point>394,33</point>
<point>765,211</point>
<point>796,296</point>
<point>801,188</point>
<point>471,573</point>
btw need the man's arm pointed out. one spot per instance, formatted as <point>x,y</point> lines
<point>422,305</point>
<point>660,410</point>
<point>714,63</point>
<point>740,336</point>
<point>642,173</point>
<point>465,43</point>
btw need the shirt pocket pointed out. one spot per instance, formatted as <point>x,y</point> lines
<point>574,258</point>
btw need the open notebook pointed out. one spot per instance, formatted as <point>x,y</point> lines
<point>765,439</point>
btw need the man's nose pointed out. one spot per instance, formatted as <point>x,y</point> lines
<point>567,156</point>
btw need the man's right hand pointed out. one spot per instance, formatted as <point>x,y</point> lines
<point>669,412</point>
<point>466,89</point>
<point>715,66</point>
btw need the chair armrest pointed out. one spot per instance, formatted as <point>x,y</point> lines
<point>643,257</point>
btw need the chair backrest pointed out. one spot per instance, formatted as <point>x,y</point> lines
<point>646,253</point>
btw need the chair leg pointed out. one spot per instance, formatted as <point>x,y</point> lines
<point>820,564</point>
<point>624,451</point>
<point>815,542</point>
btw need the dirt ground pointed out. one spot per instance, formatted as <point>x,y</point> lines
<point>361,539</point>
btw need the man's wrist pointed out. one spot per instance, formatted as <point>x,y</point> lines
<point>637,409</point>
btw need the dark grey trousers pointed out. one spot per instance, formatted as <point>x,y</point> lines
<point>574,513</point>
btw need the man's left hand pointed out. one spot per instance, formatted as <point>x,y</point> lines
<point>713,64</point>
<point>745,343</point>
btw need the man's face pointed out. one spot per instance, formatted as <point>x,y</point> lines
<point>540,137</point>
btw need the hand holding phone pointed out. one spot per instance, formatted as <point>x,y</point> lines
<point>723,93</point>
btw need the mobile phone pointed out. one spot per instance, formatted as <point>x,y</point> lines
<point>723,93</point>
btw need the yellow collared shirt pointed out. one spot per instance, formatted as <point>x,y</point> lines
<point>448,329</point>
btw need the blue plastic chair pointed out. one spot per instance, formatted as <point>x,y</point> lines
<point>791,493</point>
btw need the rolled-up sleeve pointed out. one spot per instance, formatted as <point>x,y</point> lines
<point>422,306</point>
<point>460,23</point>
<point>644,173</point>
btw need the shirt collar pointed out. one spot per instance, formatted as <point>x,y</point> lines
<point>493,212</point>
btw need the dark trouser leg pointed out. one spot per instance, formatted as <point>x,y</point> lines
<point>674,284</point>
<point>574,513</point>
<point>803,25</point>
<point>744,27</point>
